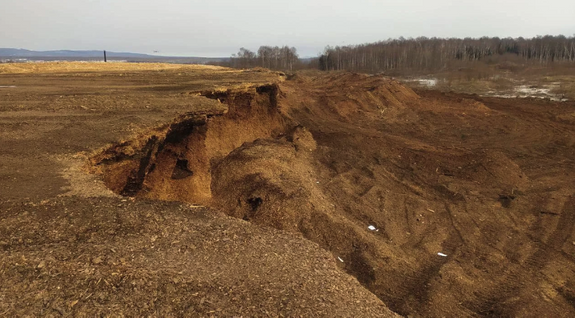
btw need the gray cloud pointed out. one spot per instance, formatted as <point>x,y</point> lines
<point>220,27</point>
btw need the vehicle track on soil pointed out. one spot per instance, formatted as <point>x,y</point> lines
<point>490,302</point>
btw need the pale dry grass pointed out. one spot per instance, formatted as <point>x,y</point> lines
<point>72,67</point>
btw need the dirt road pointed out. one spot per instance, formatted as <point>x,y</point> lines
<point>438,204</point>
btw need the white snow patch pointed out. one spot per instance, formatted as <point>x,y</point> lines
<point>427,82</point>
<point>526,91</point>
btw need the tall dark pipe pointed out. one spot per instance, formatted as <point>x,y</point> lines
<point>105,58</point>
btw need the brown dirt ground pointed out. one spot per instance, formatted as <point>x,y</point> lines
<point>71,247</point>
<point>487,182</point>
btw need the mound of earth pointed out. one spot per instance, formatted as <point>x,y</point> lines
<point>71,247</point>
<point>116,257</point>
<point>439,204</point>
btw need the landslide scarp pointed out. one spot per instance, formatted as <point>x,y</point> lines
<point>173,162</point>
<point>256,161</point>
<point>439,205</point>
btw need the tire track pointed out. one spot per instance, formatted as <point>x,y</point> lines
<point>490,302</point>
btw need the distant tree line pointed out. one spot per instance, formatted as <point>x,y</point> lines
<point>274,58</point>
<point>432,54</point>
<point>420,54</point>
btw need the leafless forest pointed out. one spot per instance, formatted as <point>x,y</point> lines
<point>419,55</point>
<point>275,58</point>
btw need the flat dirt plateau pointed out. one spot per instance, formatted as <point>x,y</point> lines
<point>171,190</point>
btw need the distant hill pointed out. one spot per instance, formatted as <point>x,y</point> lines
<point>90,55</point>
<point>9,52</point>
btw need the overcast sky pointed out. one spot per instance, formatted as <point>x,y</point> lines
<point>220,27</point>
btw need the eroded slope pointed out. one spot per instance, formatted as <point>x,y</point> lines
<point>70,247</point>
<point>486,182</point>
